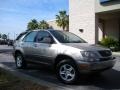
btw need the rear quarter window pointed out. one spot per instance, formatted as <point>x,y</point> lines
<point>20,37</point>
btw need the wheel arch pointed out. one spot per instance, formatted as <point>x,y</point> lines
<point>61,57</point>
<point>18,51</point>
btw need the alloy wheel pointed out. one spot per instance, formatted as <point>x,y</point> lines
<point>19,61</point>
<point>67,72</point>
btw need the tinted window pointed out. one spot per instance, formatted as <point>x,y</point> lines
<point>67,37</point>
<point>30,37</point>
<point>41,35</point>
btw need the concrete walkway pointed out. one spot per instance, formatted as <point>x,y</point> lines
<point>116,54</point>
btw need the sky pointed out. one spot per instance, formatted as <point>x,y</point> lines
<point>15,14</point>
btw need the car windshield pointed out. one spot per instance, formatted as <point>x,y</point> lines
<point>67,37</point>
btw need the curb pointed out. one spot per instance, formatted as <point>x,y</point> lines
<point>33,79</point>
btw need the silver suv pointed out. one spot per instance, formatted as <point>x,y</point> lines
<point>67,53</point>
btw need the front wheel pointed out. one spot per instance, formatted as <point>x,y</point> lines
<point>67,72</point>
<point>20,62</point>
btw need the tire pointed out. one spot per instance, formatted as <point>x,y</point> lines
<point>67,72</point>
<point>19,61</point>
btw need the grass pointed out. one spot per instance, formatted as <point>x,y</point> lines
<point>10,82</point>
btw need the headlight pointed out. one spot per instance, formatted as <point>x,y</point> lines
<point>89,56</point>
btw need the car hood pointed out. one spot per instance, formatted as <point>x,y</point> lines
<point>86,46</point>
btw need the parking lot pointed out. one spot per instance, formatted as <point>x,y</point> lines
<point>108,80</point>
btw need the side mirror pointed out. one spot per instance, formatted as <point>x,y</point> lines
<point>47,40</point>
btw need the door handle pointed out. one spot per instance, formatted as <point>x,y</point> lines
<point>35,45</point>
<point>22,44</point>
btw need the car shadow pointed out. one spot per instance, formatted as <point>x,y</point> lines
<point>107,80</point>
<point>32,67</point>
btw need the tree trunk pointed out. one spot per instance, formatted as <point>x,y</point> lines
<point>67,28</point>
<point>63,28</point>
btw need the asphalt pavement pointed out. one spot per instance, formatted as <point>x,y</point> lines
<point>108,80</point>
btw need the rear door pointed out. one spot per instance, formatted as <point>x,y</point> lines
<point>44,51</point>
<point>28,45</point>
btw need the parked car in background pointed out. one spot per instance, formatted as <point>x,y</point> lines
<point>3,42</point>
<point>67,53</point>
<point>10,42</point>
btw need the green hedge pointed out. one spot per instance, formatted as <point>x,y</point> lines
<point>110,43</point>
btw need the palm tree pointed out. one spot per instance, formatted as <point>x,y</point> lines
<point>43,25</point>
<point>67,22</point>
<point>33,24</point>
<point>62,20</point>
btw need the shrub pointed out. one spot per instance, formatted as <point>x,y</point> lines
<point>110,43</point>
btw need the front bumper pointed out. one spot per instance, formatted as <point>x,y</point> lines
<point>88,67</point>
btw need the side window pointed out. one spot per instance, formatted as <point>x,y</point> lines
<point>41,35</point>
<point>30,37</point>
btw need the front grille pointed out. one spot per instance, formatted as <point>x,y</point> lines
<point>106,59</point>
<point>105,53</point>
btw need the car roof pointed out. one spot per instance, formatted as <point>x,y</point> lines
<point>45,30</point>
<point>48,30</point>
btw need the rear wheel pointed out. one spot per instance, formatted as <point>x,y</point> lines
<point>67,72</point>
<point>20,62</point>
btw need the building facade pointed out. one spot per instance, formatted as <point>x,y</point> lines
<point>53,24</point>
<point>93,20</point>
